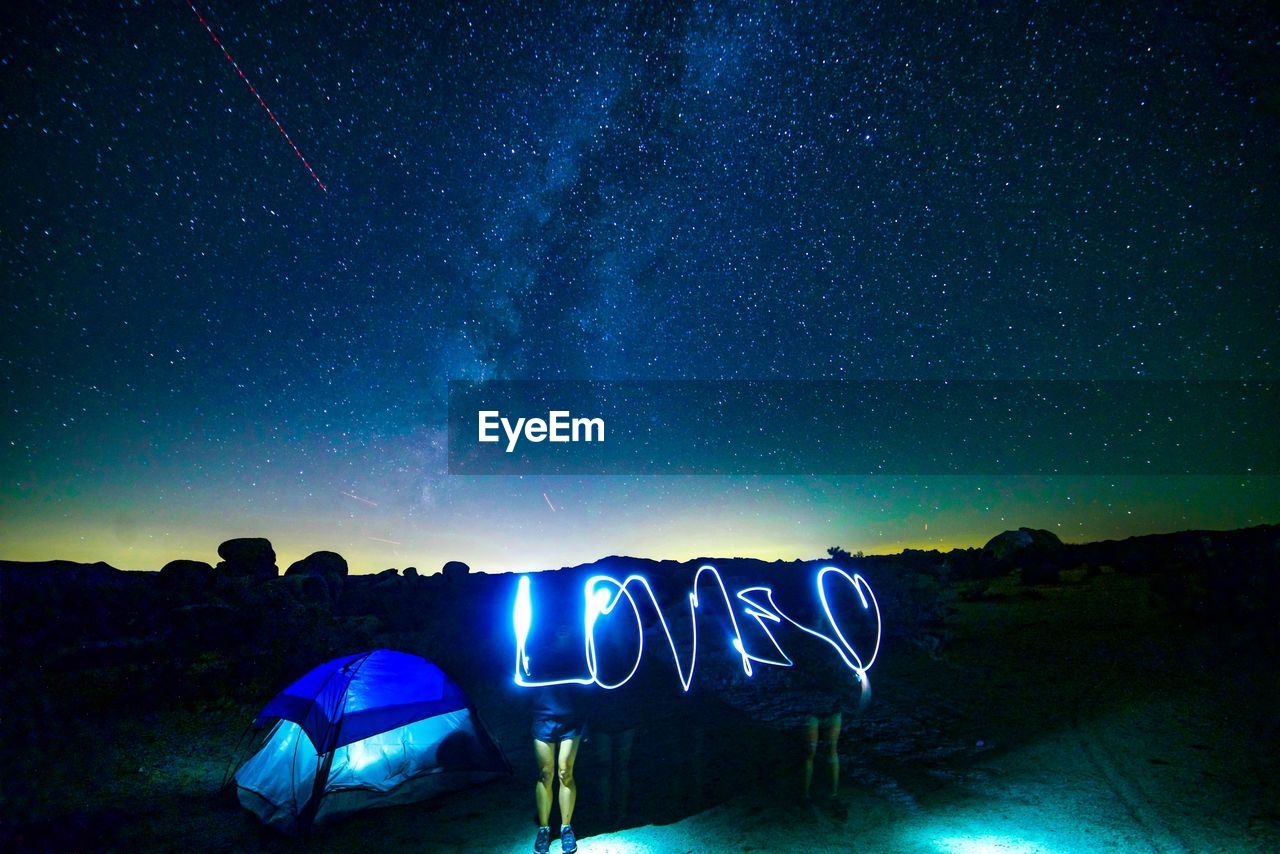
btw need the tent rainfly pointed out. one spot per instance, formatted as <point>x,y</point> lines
<point>374,729</point>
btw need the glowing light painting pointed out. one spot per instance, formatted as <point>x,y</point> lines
<point>602,594</point>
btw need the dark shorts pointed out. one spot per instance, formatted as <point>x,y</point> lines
<point>828,703</point>
<point>551,728</point>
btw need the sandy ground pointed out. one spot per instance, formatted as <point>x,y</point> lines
<point>1080,721</point>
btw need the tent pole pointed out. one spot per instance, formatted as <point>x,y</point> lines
<point>483,729</point>
<point>312,807</point>
<point>307,815</point>
<point>234,761</point>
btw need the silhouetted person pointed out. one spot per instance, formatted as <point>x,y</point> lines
<point>828,689</point>
<point>615,717</point>
<point>559,724</point>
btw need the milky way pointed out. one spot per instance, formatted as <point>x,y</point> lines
<point>199,345</point>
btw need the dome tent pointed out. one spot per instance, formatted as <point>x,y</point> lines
<point>373,729</point>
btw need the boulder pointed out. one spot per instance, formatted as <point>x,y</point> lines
<point>1006,545</point>
<point>186,574</point>
<point>247,550</point>
<point>309,588</point>
<point>248,557</point>
<point>454,569</point>
<point>318,576</point>
<point>410,572</point>
<point>330,566</point>
<point>1038,555</point>
<point>387,591</point>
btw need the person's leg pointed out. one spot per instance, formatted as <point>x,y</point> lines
<point>622,769</point>
<point>568,786</point>
<point>810,734</point>
<point>831,731</point>
<point>698,775</point>
<point>546,775</point>
<point>603,744</point>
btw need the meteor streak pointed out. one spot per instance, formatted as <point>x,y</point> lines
<point>252,89</point>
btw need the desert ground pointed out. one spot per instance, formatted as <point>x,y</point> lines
<point>1080,715</point>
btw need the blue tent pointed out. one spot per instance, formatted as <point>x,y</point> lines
<point>373,729</point>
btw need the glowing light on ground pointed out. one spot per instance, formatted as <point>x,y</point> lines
<point>987,845</point>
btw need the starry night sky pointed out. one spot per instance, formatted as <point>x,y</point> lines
<point>199,342</point>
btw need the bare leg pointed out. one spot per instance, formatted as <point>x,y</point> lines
<point>568,786</point>
<point>811,748</point>
<point>831,731</point>
<point>546,776</point>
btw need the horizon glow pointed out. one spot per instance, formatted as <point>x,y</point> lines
<point>160,519</point>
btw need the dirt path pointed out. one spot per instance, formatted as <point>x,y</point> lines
<point>1107,729</point>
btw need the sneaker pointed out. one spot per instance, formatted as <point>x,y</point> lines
<point>568,842</point>
<point>542,844</point>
